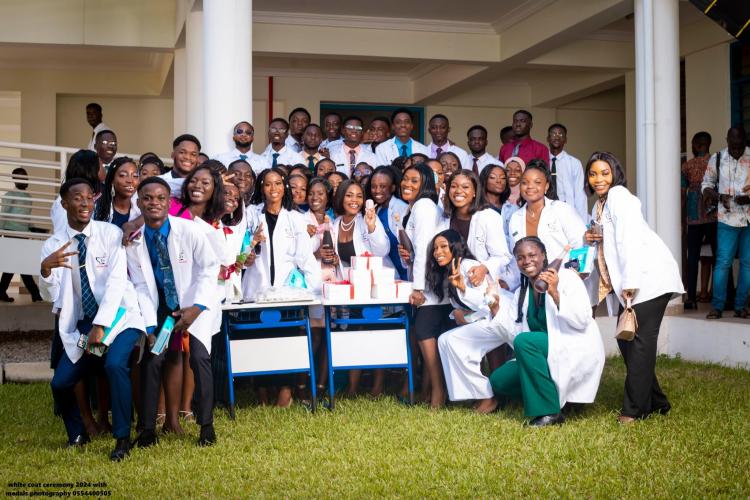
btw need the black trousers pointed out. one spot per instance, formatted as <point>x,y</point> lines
<point>697,235</point>
<point>203,396</point>
<point>28,282</point>
<point>643,395</point>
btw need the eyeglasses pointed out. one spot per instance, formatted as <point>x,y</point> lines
<point>109,143</point>
<point>246,131</point>
<point>354,127</point>
<point>557,134</point>
<point>275,130</point>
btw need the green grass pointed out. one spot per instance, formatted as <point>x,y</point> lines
<point>381,448</point>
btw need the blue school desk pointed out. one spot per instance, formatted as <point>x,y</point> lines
<point>380,347</point>
<point>252,351</point>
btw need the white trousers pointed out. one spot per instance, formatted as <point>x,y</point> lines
<point>461,352</point>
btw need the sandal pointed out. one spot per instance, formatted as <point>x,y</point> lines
<point>160,418</point>
<point>714,314</point>
<point>187,416</point>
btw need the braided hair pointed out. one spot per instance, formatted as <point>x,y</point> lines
<point>525,281</point>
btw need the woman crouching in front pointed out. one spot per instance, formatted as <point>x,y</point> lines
<point>559,351</point>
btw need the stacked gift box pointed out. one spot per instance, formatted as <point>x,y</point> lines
<point>367,279</point>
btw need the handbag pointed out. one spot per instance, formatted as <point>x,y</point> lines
<point>627,325</point>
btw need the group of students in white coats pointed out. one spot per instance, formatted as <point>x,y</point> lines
<point>478,246</point>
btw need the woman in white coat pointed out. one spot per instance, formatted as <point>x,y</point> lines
<point>554,222</point>
<point>559,351</point>
<point>478,225</point>
<point>356,231</point>
<point>632,263</point>
<point>282,245</point>
<point>117,202</point>
<point>383,190</point>
<point>431,317</point>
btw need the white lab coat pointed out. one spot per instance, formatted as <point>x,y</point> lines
<point>483,161</point>
<point>559,225</point>
<point>388,150</point>
<point>575,353</point>
<point>195,268</point>
<point>376,243</point>
<point>463,157</point>
<point>340,157</point>
<point>287,156</point>
<point>292,249</point>
<point>635,255</point>
<point>175,184</point>
<point>421,228</point>
<point>256,161</point>
<point>570,185</point>
<point>486,242</point>
<point>107,272</point>
<point>233,245</point>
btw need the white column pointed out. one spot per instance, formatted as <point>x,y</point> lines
<point>179,100</point>
<point>667,131</point>
<point>658,116</point>
<point>194,74</point>
<point>227,70</point>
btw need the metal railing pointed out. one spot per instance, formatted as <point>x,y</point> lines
<point>26,213</point>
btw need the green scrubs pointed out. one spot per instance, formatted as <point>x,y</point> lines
<point>527,377</point>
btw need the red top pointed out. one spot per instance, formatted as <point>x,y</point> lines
<point>529,150</point>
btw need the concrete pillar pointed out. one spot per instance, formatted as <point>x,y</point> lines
<point>193,74</point>
<point>227,70</point>
<point>657,92</point>
<point>179,114</point>
<point>667,117</point>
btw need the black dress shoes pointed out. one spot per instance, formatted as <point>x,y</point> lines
<point>545,420</point>
<point>122,449</point>
<point>147,438</point>
<point>207,436</point>
<point>79,441</point>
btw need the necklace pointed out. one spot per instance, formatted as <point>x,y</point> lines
<point>531,213</point>
<point>347,226</point>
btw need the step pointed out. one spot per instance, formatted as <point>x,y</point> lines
<point>38,371</point>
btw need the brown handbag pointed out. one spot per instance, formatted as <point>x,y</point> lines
<point>627,325</point>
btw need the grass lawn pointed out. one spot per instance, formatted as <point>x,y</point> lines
<point>381,448</point>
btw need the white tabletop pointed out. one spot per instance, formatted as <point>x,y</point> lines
<point>365,302</point>
<point>245,306</point>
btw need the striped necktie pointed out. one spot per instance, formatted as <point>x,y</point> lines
<point>403,150</point>
<point>88,301</point>
<point>352,160</point>
<point>475,166</point>
<point>275,158</point>
<point>168,286</point>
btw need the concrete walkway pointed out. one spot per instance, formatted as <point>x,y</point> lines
<point>25,372</point>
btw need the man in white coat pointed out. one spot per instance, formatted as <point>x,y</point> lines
<point>278,151</point>
<point>84,273</point>
<point>351,152</point>
<point>243,135</point>
<point>567,171</point>
<point>401,144</point>
<point>477,142</point>
<point>174,272</point>
<point>439,128</point>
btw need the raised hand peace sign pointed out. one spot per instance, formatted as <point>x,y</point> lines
<point>58,258</point>
<point>456,278</point>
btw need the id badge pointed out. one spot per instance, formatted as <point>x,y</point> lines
<point>83,340</point>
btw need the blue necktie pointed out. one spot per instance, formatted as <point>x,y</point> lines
<point>393,252</point>
<point>170,292</point>
<point>88,301</point>
<point>243,157</point>
<point>275,157</point>
<point>403,151</point>
<point>311,162</point>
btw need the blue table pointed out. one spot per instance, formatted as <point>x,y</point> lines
<point>369,349</point>
<point>264,355</point>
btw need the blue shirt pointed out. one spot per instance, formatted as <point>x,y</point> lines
<point>400,145</point>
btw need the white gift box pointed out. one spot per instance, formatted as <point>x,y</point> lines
<point>367,262</point>
<point>391,291</point>
<point>361,280</point>
<point>338,291</point>
<point>383,276</point>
